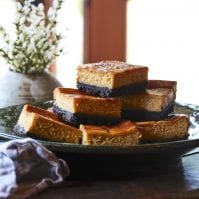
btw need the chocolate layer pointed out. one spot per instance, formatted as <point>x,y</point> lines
<point>106,92</point>
<point>143,115</point>
<point>79,118</point>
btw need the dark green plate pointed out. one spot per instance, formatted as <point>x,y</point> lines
<point>110,158</point>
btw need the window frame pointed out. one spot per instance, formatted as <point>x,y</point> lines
<point>104,30</point>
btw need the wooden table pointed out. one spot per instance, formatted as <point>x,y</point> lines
<point>177,181</point>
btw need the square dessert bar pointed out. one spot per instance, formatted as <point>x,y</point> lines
<point>111,78</point>
<point>45,125</point>
<point>76,107</point>
<point>125,133</point>
<point>173,128</point>
<point>153,104</point>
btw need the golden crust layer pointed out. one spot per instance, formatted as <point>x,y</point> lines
<point>45,125</point>
<point>111,74</point>
<point>173,128</point>
<point>125,133</point>
<point>74,101</point>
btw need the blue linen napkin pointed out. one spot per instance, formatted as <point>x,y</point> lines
<point>26,168</point>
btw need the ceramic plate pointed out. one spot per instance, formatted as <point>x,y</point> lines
<point>107,157</point>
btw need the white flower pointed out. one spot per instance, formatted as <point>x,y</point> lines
<point>36,42</point>
<point>26,10</point>
<point>41,7</point>
<point>19,6</point>
<point>22,20</point>
<point>51,12</point>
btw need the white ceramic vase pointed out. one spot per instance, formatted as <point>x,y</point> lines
<point>17,88</point>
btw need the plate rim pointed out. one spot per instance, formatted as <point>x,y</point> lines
<point>95,149</point>
<point>70,147</point>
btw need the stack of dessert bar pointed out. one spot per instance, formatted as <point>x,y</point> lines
<point>115,104</point>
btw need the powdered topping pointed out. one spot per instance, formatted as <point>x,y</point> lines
<point>110,66</point>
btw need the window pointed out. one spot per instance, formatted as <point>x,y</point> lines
<point>7,16</point>
<point>71,24</point>
<point>164,35</point>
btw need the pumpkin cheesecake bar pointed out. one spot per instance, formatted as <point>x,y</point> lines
<point>76,107</point>
<point>45,125</point>
<point>154,104</point>
<point>125,133</point>
<point>111,78</point>
<point>173,128</point>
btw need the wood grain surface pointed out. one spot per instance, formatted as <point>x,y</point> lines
<point>178,181</point>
